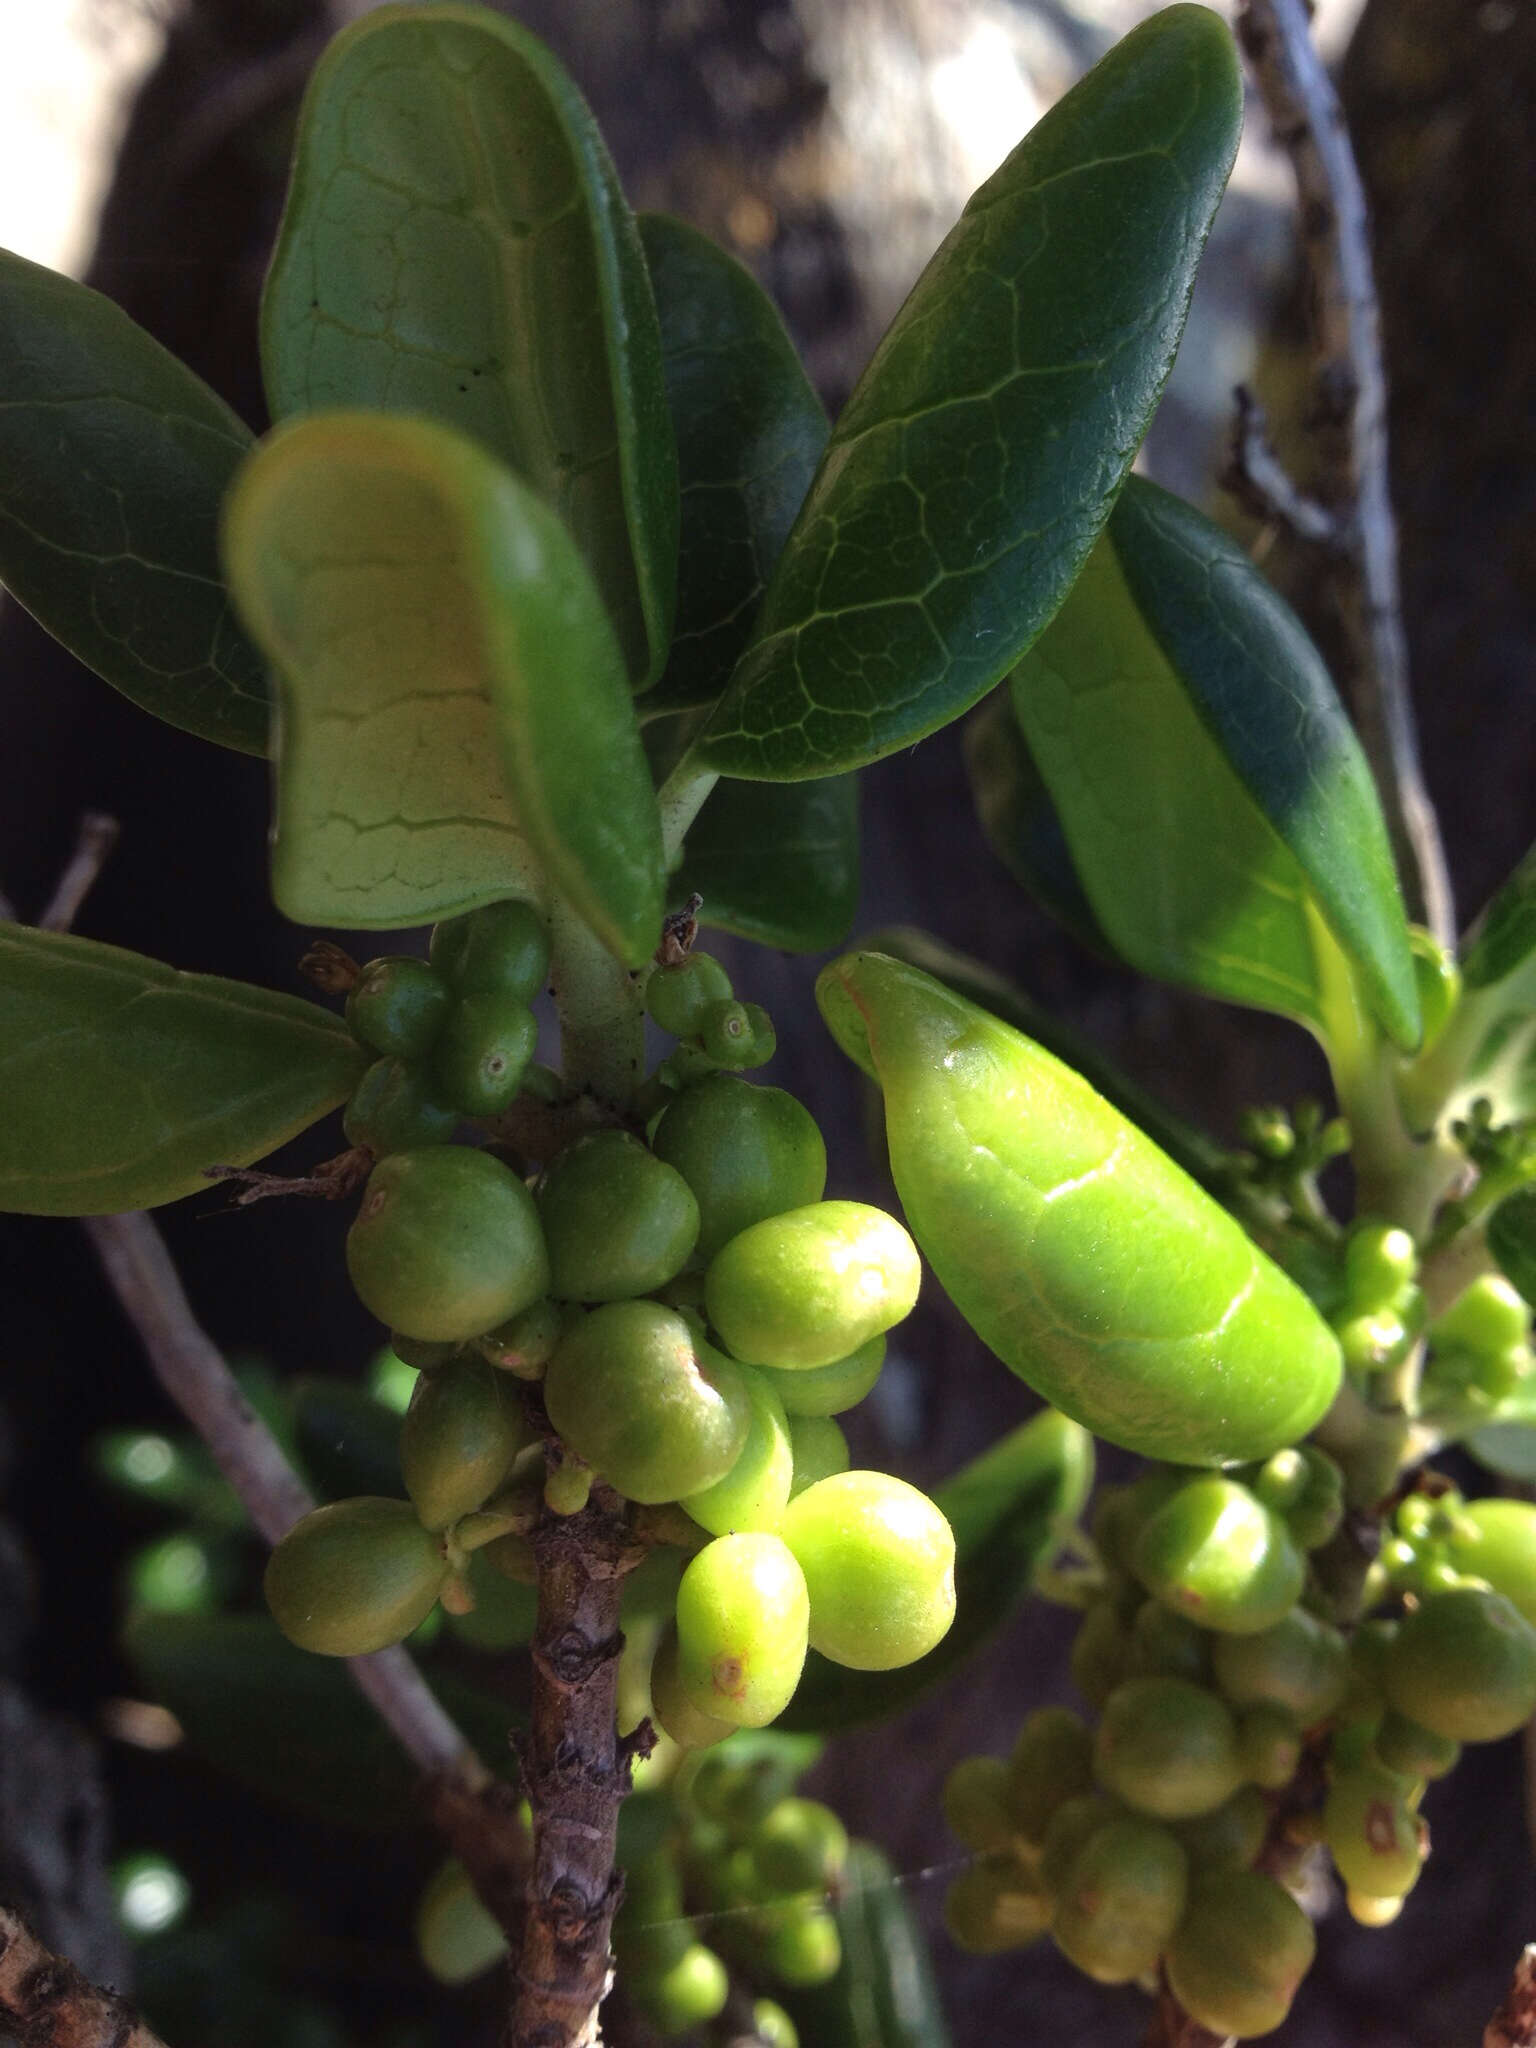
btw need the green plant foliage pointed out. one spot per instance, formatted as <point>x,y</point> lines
<point>1006,1509</point>
<point>983,447</point>
<point>1218,806</point>
<point>1076,1249</point>
<point>777,863</point>
<point>455,244</point>
<point>452,690</point>
<point>113,458</point>
<point>125,1081</point>
<point>290,1726</point>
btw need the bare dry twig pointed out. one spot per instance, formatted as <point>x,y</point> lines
<point>47,2003</point>
<point>1352,421</point>
<point>93,848</point>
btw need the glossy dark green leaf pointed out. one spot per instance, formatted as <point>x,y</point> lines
<point>1199,1155</point>
<point>981,452</point>
<point>1007,1509</point>
<point>1020,821</point>
<point>455,244</point>
<point>1217,804</point>
<point>113,459</point>
<point>292,1726</point>
<point>1512,1239</point>
<point>348,1440</point>
<point>884,1994</point>
<point>776,862</point>
<point>124,1080</point>
<point>1504,937</point>
<point>455,718</point>
<point>750,430</point>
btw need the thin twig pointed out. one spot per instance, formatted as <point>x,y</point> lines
<point>1514,2024</point>
<point>93,848</point>
<point>1257,478</point>
<point>192,1371</point>
<point>45,2002</point>
<point>1352,416</point>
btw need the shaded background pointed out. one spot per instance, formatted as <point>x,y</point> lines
<point>830,143</point>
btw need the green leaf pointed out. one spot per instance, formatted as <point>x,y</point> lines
<point>348,1441</point>
<point>1007,1508</point>
<point>454,710</point>
<point>1511,1235</point>
<point>1508,1448</point>
<point>1199,1155</point>
<point>455,244</point>
<point>776,862</point>
<point>982,450</point>
<point>1488,1047</point>
<point>292,1726</point>
<point>1218,807</point>
<point>884,1994</point>
<point>113,459</point>
<point>123,1080</point>
<point>1020,821</point>
<point>1504,938</point>
<point>749,430</point>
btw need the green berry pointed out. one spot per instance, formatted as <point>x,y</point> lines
<point>1373,1834</point>
<point>1171,1645</point>
<point>447,1244</point>
<point>818,1449</point>
<point>644,1400</point>
<point>1268,1746</point>
<point>752,1494</point>
<point>1300,1664</point>
<point>1380,1259</point>
<point>1463,1665</point>
<point>479,1060</point>
<point>461,1432</point>
<point>1214,1552</point>
<point>455,1936</point>
<point>1052,1761</point>
<point>354,1577</point>
<point>742,1619</point>
<point>879,1561</point>
<point>977,1808</point>
<point>1402,1746</point>
<point>1231,1835</point>
<point>1104,1653</point>
<point>1074,1822</point>
<point>618,1221</point>
<point>502,949</point>
<point>1121,1899</point>
<point>524,1344</point>
<point>737,1035</point>
<point>677,997</point>
<point>398,1006</point>
<point>747,1152</point>
<point>1486,1318</point>
<point>773,2026</point>
<point>1495,1540</point>
<point>1237,1956</point>
<point>694,1990</point>
<point>807,1287</point>
<point>391,1111</point>
<point>801,1846</point>
<point>672,1709</point>
<point>829,1389</point>
<point>1167,1748</point>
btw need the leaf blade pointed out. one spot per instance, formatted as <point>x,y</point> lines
<point>776,862</point>
<point>113,459</point>
<point>1157,725</point>
<point>455,244</point>
<point>126,1079</point>
<point>456,724</point>
<point>983,448</point>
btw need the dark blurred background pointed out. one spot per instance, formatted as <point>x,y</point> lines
<point>829,143</point>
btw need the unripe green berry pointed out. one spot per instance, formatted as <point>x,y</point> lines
<point>1268,1746</point>
<point>461,1432</point>
<point>483,1052</point>
<point>801,1846</point>
<point>976,1805</point>
<point>879,1561</point>
<point>1486,1318</point>
<point>993,1907</point>
<point>398,1006</point>
<point>818,1449</point>
<point>354,1577</point>
<point>808,1287</point>
<point>1373,1835</point>
<point>1237,1956</point>
<point>456,1937</point>
<point>1463,1665</point>
<point>672,1709</point>
<point>677,997</point>
<point>1121,1899</point>
<point>524,1344</point>
<point>742,1618</point>
<point>829,1389</point>
<point>753,1493</point>
<point>1300,1664</point>
<point>390,1110</point>
<point>501,949</point>
<point>692,1991</point>
<point>737,1035</point>
<point>447,1244</point>
<point>802,1946</point>
<point>1052,1761</point>
<point>1214,1552</point>
<point>618,1221</point>
<point>747,1152</point>
<point>1167,1748</point>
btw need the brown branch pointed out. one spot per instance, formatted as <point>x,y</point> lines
<point>1258,479</point>
<point>189,1366</point>
<point>1514,2024</point>
<point>47,2003</point>
<point>1352,428</point>
<point>577,1773</point>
